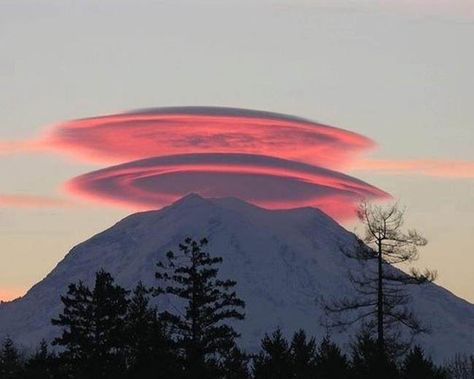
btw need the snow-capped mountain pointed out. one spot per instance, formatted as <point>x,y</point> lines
<point>282,260</point>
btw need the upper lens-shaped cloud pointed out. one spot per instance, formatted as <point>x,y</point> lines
<point>181,130</point>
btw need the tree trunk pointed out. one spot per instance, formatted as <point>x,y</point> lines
<point>380,336</point>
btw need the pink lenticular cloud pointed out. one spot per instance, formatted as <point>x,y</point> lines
<point>214,152</point>
<point>266,181</point>
<point>180,130</point>
<point>269,159</point>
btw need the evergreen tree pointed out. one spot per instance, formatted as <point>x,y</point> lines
<point>76,326</point>
<point>330,362</point>
<point>367,363</point>
<point>303,356</point>
<point>274,361</point>
<point>201,331</point>
<point>417,366</point>
<point>11,365</point>
<point>149,348</point>
<point>93,328</point>
<point>42,364</point>
<point>234,365</point>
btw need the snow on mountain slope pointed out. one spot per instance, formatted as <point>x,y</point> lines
<point>282,260</point>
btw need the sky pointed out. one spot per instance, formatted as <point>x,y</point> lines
<point>394,78</point>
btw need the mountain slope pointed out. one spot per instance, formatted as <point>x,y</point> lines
<point>282,260</point>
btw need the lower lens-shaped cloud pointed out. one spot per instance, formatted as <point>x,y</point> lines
<point>262,180</point>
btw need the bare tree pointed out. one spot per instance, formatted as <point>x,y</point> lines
<point>382,301</point>
<point>461,367</point>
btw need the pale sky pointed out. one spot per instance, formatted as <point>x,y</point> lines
<point>397,72</point>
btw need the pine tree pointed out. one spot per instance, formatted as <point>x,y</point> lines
<point>234,365</point>
<point>201,332</point>
<point>141,326</point>
<point>11,365</point>
<point>303,356</point>
<point>274,361</point>
<point>330,362</point>
<point>42,364</point>
<point>367,363</point>
<point>417,366</point>
<point>149,348</point>
<point>93,328</point>
<point>76,323</point>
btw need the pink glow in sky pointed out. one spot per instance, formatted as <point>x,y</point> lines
<point>10,293</point>
<point>15,147</point>
<point>31,201</point>
<point>426,167</point>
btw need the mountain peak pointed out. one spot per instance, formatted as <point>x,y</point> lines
<point>189,200</point>
<point>230,202</point>
<point>196,199</point>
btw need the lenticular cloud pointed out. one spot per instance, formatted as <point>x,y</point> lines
<point>266,181</point>
<point>182,130</point>
<point>269,159</point>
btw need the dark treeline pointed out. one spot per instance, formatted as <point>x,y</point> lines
<point>107,331</point>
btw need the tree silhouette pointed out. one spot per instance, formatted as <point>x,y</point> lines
<point>331,363</point>
<point>368,363</point>
<point>461,367</point>
<point>417,366</point>
<point>11,366</point>
<point>42,364</point>
<point>148,344</point>
<point>201,331</point>
<point>93,323</point>
<point>303,355</point>
<point>235,365</point>
<point>382,301</point>
<point>274,361</point>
